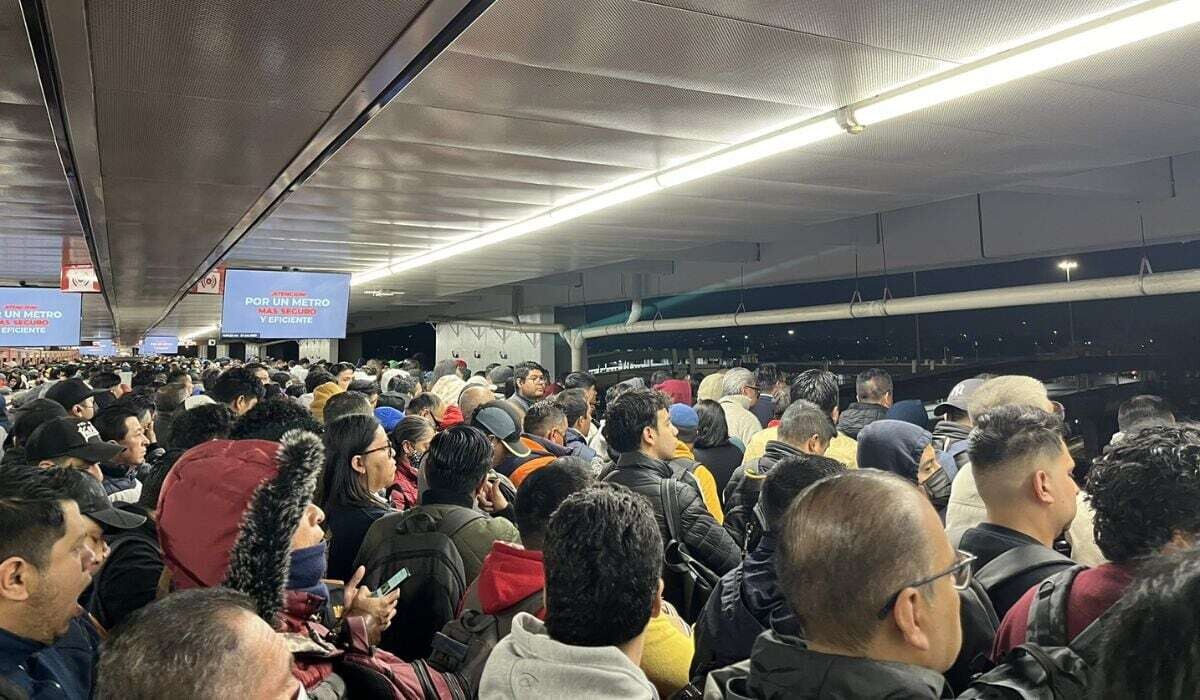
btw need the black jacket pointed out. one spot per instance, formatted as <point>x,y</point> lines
<point>704,537</point>
<point>781,667</point>
<point>951,438</point>
<point>858,416</point>
<point>128,581</point>
<point>745,602</point>
<point>988,541</point>
<point>741,494</point>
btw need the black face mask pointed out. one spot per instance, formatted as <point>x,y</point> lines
<point>937,487</point>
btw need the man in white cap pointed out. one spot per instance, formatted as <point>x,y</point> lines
<point>951,432</point>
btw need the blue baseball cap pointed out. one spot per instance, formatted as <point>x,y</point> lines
<point>388,417</point>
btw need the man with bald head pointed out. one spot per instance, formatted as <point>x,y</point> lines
<point>966,508</point>
<point>472,397</point>
<point>866,567</point>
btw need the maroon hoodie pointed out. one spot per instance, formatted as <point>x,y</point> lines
<point>510,574</point>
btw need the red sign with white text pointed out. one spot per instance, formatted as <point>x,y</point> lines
<point>81,279</point>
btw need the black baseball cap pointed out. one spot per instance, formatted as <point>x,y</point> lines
<point>94,503</point>
<point>67,437</point>
<point>498,423</point>
<point>70,392</point>
<point>33,414</point>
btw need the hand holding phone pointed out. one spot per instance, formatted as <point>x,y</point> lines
<point>391,584</point>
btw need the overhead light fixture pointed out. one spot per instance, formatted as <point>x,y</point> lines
<point>383,292</point>
<point>1096,36</point>
<point>1088,39</point>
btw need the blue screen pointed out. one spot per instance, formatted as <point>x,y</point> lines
<point>261,304</point>
<point>38,317</point>
<point>159,345</point>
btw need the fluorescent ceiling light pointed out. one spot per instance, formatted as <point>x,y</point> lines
<point>1087,39</point>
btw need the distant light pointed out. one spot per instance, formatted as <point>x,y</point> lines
<point>1066,265</point>
<point>791,332</point>
<point>746,337</point>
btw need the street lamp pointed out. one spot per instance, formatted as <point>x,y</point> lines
<point>1066,266</point>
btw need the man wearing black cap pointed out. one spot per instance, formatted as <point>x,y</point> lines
<point>28,419</point>
<point>70,444</point>
<point>75,396</point>
<point>497,421</point>
<point>951,432</point>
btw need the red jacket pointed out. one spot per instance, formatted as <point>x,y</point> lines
<point>298,608</point>
<point>679,390</point>
<point>1093,592</point>
<point>403,491</point>
<point>509,575</point>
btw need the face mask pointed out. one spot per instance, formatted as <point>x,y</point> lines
<point>414,459</point>
<point>937,487</point>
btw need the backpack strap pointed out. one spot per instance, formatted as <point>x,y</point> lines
<point>666,491</point>
<point>1017,562</point>
<point>1047,626</point>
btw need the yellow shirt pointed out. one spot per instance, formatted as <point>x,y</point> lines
<point>842,447</point>
<point>667,655</point>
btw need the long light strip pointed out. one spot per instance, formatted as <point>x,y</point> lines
<point>197,333</point>
<point>1088,39</point>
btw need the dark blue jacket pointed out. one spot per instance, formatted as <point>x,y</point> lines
<point>65,669</point>
<point>745,603</point>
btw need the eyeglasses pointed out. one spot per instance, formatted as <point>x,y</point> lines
<point>389,447</point>
<point>960,570</point>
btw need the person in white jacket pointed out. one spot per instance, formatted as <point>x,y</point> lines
<point>739,393</point>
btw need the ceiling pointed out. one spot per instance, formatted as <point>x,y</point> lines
<point>205,114</point>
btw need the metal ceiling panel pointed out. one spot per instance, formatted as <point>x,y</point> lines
<point>542,100</point>
<point>952,30</point>
<point>707,54</point>
<point>39,227</point>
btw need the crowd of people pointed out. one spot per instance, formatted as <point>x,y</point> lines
<point>192,529</point>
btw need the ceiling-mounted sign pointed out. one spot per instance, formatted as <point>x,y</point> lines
<point>38,317</point>
<point>79,278</point>
<point>212,283</point>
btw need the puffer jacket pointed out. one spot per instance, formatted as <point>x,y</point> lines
<point>858,416</point>
<point>704,537</point>
<point>951,438</point>
<point>782,667</point>
<point>741,493</point>
<point>745,602</point>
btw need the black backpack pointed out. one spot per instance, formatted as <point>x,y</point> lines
<point>1018,563</point>
<point>420,541</point>
<point>463,646</point>
<point>1048,666</point>
<point>687,583</point>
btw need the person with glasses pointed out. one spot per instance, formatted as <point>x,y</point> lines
<point>530,385</point>
<point>738,394</point>
<point>865,565</point>
<point>360,462</point>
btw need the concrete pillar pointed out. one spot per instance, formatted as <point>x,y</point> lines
<point>319,350</point>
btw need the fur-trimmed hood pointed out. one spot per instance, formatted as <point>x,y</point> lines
<point>258,564</point>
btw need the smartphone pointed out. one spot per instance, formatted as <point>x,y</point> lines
<point>392,583</point>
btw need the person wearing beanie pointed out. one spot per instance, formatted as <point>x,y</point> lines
<point>909,411</point>
<point>321,396</point>
<point>388,417</point>
<point>686,422</point>
<point>906,451</point>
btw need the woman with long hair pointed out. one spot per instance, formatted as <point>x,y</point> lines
<point>359,463</point>
<point>410,438</point>
<point>713,448</point>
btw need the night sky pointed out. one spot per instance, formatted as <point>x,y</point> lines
<point>1165,324</point>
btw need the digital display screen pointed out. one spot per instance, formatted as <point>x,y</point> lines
<point>272,305</point>
<point>159,345</point>
<point>99,348</point>
<point>39,317</point>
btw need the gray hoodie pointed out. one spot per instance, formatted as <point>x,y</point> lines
<point>528,664</point>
